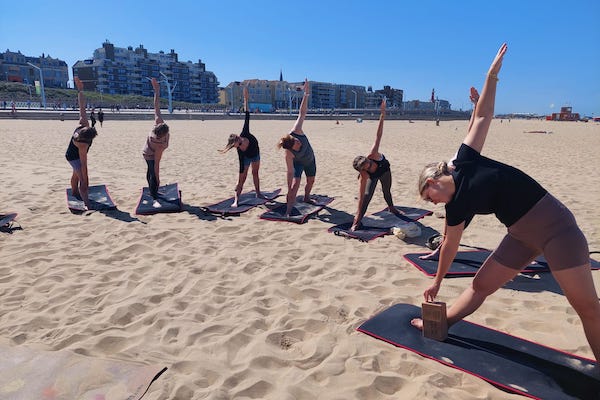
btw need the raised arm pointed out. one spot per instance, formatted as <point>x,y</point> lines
<point>484,111</point>
<point>375,148</point>
<point>246,98</point>
<point>246,128</point>
<point>303,108</point>
<point>157,116</point>
<point>83,121</point>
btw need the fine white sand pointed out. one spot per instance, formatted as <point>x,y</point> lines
<point>246,308</point>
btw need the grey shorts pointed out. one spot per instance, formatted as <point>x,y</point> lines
<point>549,228</point>
<point>76,164</point>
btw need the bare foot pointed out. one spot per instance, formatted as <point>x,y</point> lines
<point>234,205</point>
<point>156,204</point>
<point>417,323</point>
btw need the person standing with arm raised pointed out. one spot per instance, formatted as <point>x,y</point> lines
<point>373,168</point>
<point>248,153</point>
<point>299,156</point>
<point>536,223</point>
<point>79,145</point>
<point>156,143</point>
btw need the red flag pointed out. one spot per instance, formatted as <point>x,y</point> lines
<point>433,95</point>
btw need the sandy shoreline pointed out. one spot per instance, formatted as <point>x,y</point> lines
<point>245,308</point>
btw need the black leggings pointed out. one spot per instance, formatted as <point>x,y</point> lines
<point>386,185</point>
<point>151,178</point>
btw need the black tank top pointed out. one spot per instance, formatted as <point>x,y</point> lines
<point>383,166</point>
<point>72,153</point>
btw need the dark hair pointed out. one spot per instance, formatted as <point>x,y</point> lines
<point>86,134</point>
<point>160,130</point>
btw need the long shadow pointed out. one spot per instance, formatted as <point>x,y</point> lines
<point>334,216</point>
<point>201,213</point>
<point>535,283</point>
<point>115,213</point>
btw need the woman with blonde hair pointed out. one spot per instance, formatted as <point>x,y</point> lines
<point>536,223</point>
<point>299,156</point>
<point>248,154</point>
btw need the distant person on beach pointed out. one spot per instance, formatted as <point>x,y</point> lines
<point>248,154</point>
<point>93,118</point>
<point>100,116</point>
<point>79,145</point>
<point>299,156</point>
<point>372,169</point>
<point>537,223</point>
<point>156,143</point>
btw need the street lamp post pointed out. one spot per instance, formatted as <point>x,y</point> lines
<point>41,83</point>
<point>170,92</point>
<point>355,96</point>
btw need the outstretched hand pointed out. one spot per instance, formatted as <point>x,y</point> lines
<point>474,96</point>
<point>497,63</point>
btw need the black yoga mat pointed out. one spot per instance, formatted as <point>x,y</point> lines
<point>510,363</point>
<point>467,263</point>
<point>169,198</point>
<point>99,199</point>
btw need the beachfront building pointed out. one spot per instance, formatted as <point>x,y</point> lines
<point>395,97</point>
<point>418,106</point>
<point>14,67</point>
<point>272,95</point>
<point>118,70</point>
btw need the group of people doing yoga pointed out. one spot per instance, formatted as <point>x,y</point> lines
<point>471,184</point>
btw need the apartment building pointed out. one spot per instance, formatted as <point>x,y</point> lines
<point>119,70</point>
<point>14,67</point>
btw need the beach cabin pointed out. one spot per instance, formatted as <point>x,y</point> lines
<point>565,114</point>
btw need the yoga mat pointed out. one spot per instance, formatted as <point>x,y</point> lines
<point>379,223</point>
<point>301,210</point>
<point>467,263</point>
<point>27,374</point>
<point>5,219</point>
<point>169,198</point>
<point>510,363</point>
<point>246,202</point>
<point>99,199</point>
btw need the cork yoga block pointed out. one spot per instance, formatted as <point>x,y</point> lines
<point>435,323</point>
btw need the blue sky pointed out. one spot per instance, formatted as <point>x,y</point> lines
<point>553,54</point>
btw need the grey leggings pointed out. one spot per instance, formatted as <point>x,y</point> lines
<point>386,185</point>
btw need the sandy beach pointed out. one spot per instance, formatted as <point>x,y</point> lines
<point>243,308</point>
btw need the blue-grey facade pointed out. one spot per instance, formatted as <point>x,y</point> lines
<point>117,70</point>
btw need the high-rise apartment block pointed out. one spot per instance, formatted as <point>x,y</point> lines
<point>118,70</point>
